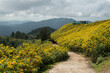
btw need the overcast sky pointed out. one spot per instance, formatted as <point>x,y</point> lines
<point>37,10</point>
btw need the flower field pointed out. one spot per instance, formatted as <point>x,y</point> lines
<point>29,57</point>
<point>92,39</point>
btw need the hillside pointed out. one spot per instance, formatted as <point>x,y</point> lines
<point>55,23</point>
<point>84,37</point>
<point>38,30</point>
<point>92,39</point>
<point>81,35</point>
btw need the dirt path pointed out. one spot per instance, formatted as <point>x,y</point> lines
<point>55,45</point>
<point>75,64</point>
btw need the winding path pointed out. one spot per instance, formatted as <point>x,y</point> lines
<point>75,64</point>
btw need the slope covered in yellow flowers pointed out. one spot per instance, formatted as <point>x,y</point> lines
<point>92,39</point>
<point>29,57</point>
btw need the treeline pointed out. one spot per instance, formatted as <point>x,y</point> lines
<point>42,34</point>
<point>17,38</point>
<point>7,41</point>
<point>19,35</point>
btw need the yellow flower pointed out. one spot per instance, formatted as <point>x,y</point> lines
<point>14,62</point>
<point>9,63</point>
<point>10,66</point>
<point>17,68</point>
<point>7,46</point>
<point>27,59</point>
<point>21,70</point>
<point>1,44</point>
<point>21,63</point>
<point>1,61</point>
<point>30,49</point>
<point>27,65</point>
<point>13,59</point>
<point>17,57</point>
<point>12,47</point>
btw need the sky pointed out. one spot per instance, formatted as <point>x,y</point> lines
<point>37,10</point>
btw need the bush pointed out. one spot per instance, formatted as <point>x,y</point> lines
<point>30,57</point>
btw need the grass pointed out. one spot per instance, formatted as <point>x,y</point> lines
<point>103,66</point>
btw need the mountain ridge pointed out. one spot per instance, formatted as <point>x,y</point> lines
<point>55,23</point>
<point>36,31</point>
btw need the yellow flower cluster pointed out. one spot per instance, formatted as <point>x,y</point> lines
<point>83,37</point>
<point>29,57</point>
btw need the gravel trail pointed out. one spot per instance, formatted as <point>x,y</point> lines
<point>75,64</point>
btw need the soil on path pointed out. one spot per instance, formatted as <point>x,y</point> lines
<point>75,64</point>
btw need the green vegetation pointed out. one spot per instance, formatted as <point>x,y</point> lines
<point>44,34</point>
<point>36,31</point>
<point>103,66</point>
<point>17,38</point>
<point>12,42</point>
<point>30,57</point>
<point>23,53</point>
<point>19,35</point>
<point>92,39</point>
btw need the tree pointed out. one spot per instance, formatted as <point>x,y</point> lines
<point>17,35</point>
<point>12,34</point>
<point>44,34</point>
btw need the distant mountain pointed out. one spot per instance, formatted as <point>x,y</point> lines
<point>11,23</point>
<point>5,30</point>
<point>36,31</point>
<point>55,23</point>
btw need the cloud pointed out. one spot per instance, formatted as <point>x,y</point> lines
<point>45,9</point>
